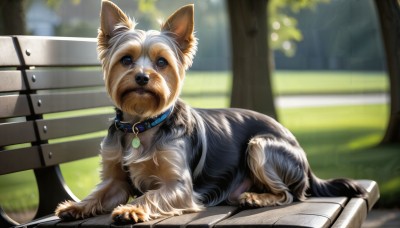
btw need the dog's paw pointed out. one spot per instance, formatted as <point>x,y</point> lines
<point>255,200</point>
<point>250,200</point>
<point>129,214</point>
<point>70,210</point>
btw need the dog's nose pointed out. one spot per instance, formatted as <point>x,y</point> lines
<point>142,79</point>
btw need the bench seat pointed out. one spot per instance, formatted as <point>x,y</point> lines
<point>314,212</point>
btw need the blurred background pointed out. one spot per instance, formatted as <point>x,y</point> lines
<point>329,81</point>
<point>309,35</point>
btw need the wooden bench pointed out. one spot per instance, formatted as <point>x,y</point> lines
<point>45,75</point>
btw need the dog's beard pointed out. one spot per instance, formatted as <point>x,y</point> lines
<point>140,102</point>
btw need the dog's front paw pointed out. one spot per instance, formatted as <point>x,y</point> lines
<point>130,214</point>
<point>70,210</point>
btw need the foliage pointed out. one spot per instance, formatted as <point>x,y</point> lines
<point>147,5</point>
<point>146,13</point>
<point>284,32</point>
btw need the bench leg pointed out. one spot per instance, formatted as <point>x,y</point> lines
<point>52,190</point>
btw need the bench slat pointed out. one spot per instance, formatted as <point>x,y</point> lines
<point>148,224</point>
<point>57,153</point>
<point>100,221</point>
<point>19,160</point>
<point>64,78</point>
<point>353,214</point>
<point>8,55</point>
<point>55,222</point>
<point>14,106</point>
<point>15,133</point>
<point>373,192</point>
<point>272,215</point>
<point>46,221</point>
<point>303,221</point>
<point>57,128</point>
<point>11,81</point>
<point>67,101</point>
<point>58,51</point>
<point>207,218</point>
<point>334,200</point>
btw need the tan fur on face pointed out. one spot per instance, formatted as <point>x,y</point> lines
<point>164,85</point>
<point>118,38</point>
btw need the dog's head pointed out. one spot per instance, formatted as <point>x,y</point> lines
<point>144,70</point>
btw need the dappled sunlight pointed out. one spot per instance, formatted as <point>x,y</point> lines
<point>391,187</point>
<point>329,82</point>
<point>336,117</point>
<point>364,141</point>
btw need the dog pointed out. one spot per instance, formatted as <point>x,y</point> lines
<point>174,159</point>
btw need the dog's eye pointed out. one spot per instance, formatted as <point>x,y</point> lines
<point>161,62</point>
<point>127,60</point>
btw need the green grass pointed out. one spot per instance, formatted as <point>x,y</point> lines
<point>291,82</point>
<point>86,171</point>
<point>328,82</point>
<point>212,89</point>
<point>342,142</point>
<point>339,141</point>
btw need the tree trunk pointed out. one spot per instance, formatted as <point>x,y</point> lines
<point>13,17</point>
<point>389,16</point>
<point>251,56</point>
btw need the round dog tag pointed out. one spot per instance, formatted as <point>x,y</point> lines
<point>136,142</point>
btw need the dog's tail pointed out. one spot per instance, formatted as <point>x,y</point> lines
<point>334,187</point>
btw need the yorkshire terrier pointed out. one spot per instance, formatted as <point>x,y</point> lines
<point>175,159</point>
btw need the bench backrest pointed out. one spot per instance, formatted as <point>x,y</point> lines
<point>51,89</point>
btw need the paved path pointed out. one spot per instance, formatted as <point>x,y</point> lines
<point>382,218</point>
<point>297,101</point>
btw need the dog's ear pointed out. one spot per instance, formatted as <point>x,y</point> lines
<point>112,19</point>
<point>111,16</point>
<point>180,25</point>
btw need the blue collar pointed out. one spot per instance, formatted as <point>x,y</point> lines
<point>140,127</point>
